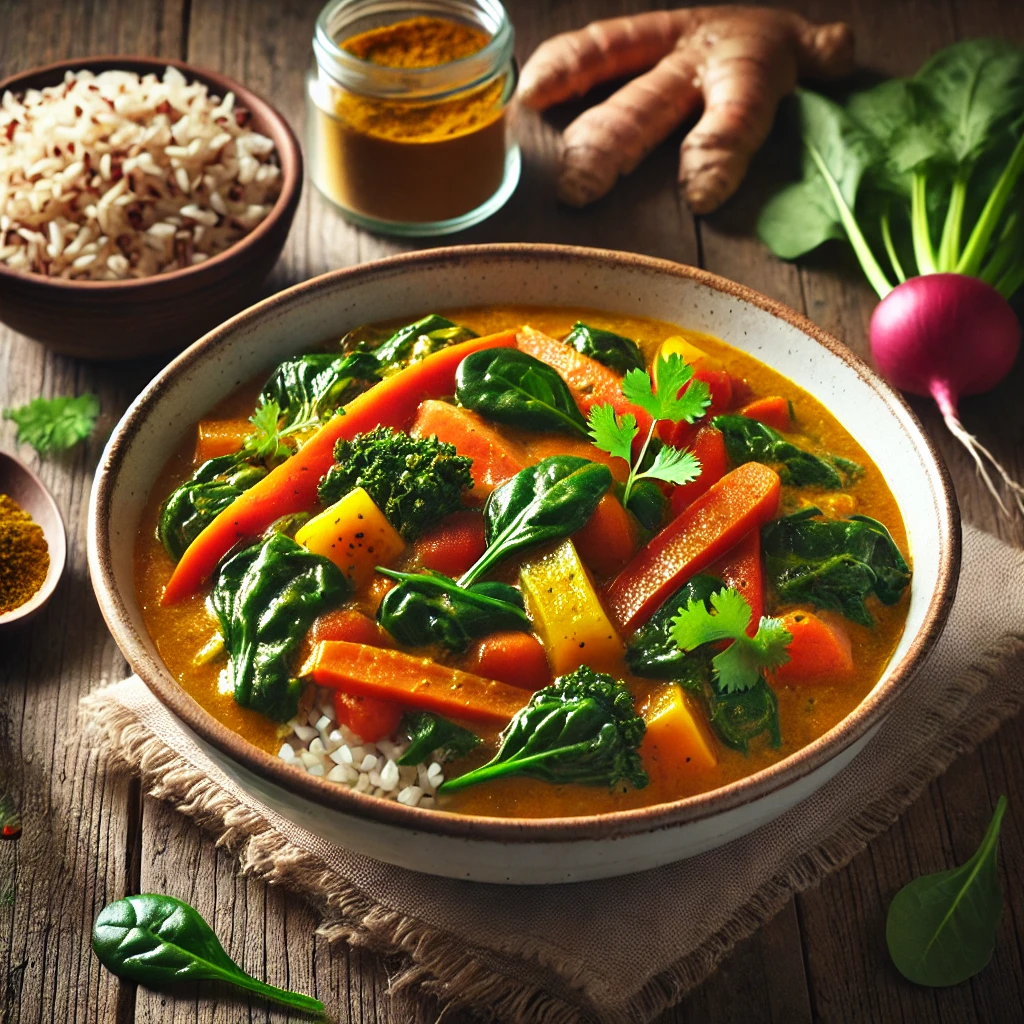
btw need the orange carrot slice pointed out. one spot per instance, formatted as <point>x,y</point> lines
<point>775,412</point>
<point>820,651</point>
<point>514,658</point>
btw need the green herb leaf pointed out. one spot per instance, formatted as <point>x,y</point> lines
<point>673,374</point>
<point>430,608</point>
<point>582,729</point>
<point>833,563</point>
<point>613,350</point>
<point>266,598</point>
<point>739,666</point>
<point>55,424</point>
<point>674,466</point>
<point>611,434</point>
<point>158,941</point>
<point>509,386</point>
<point>430,734</point>
<point>941,928</point>
<point>541,503</point>
<point>414,481</point>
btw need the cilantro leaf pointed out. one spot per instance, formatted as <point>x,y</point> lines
<point>674,466</point>
<point>673,374</point>
<point>611,434</point>
<point>739,666</point>
<point>266,442</point>
<point>55,424</point>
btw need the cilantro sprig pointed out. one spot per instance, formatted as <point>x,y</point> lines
<point>739,666</point>
<point>615,435</point>
<point>55,424</point>
<point>267,441</point>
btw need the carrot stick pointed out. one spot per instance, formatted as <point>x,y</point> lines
<point>413,682</point>
<point>819,652</point>
<point>709,447</point>
<point>741,501</point>
<point>291,487</point>
<point>740,568</point>
<point>608,540</point>
<point>774,411</point>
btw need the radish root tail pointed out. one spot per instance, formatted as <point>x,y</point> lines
<point>980,454</point>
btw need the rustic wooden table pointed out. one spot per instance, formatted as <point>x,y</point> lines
<point>90,837</point>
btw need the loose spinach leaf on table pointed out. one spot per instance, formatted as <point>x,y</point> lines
<point>833,563</point>
<point>747,440</point>
<point>542,503</point>
<point>199,500</point>
<point>941,928</point>
<point>429,734</point>
<point>266,598</point>
<point>431,608</point>
<point>509,386</point>
<point>582,729</point>
<point>613,350</point>
<point>417,340</point>
<point>159,941</point>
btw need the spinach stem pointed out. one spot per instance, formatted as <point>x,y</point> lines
<point>890,248</point>
<point>949,244</point>
<point>1007,247</point>
<point>873,272</point>
<point>292,1000</point>
<point>495,769</point>
<point>974,252</point>
<point>924,253</point>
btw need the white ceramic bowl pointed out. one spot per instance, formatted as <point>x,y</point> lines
<point>490,849</point>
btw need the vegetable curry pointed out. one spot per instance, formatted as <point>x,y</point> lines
<point>547,562</point>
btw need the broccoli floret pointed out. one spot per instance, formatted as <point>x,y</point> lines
<point>414,481</point>
<point>583,728</point>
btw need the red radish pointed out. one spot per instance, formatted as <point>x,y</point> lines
<point>947,335</point>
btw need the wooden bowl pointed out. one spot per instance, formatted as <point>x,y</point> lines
<point>138,317</point>
<point>524,850</point>
<point>24,487</point>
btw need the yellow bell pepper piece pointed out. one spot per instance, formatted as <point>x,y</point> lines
<point>354,535</point>
<point>676,735</point>
<point>692,354</point>
<point>567,613</point>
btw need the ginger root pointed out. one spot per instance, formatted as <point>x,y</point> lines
<point>740,61</point>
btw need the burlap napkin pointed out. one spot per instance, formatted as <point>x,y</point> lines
<point>600,951</point>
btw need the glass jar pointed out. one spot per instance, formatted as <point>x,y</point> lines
<point>414,150</point>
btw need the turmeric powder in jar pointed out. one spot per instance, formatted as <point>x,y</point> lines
<point>407,126</point>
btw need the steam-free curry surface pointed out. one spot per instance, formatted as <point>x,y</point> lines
<point>182,632</point>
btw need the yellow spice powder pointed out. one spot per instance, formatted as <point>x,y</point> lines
<point>24,555</point>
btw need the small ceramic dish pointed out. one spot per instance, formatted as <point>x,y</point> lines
<point>24,487</point>
<point>525,850</point>
<point>142,316</point>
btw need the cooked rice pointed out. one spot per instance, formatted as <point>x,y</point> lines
<point>319,745</point>
<point>113,176</point>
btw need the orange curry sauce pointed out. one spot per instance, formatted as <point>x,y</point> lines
<point>182,631</point>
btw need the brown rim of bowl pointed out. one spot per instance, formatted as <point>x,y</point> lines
<point>601,826</point>
<point>289,156</point>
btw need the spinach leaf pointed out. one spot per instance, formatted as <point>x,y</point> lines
<point>509,386</point>
<point>430,734</point>
<point>430,608</point>
<point>613,350</point>
<point>647,502</point>
<point>309,388</point>
<point>747,440</point>
<point>941,928</point>
<point>652,652</point>
<point>743,715</point>
<point>833,563</point>
<point>582,729</point>
<point>415,341</point>
<point>541,503</point>
<point>266,598</point>
<point>191,506</point>
<point>159,941</point>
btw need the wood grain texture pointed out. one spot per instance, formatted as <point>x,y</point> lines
<point>90,838</point>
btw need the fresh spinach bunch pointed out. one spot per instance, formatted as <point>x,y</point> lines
<point>582,729</point>
<point>414,481</point>
<point>941,929</point>
<point>431,608</point>
<point>613,350</point>
<point>513,387</point>
<point>430,734</point>
<point>833,563</point>
<point>913,161</point>
<point>160,941</point>
<point>266,598</point>
<point>747,440</point>
<point>200,499</point>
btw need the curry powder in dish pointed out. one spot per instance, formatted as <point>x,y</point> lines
<point>24,555</point>
<point>405,134</point>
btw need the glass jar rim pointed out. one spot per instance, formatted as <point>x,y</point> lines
<point>434,82</point>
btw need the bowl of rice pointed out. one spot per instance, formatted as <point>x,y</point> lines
<point>142,201</point>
